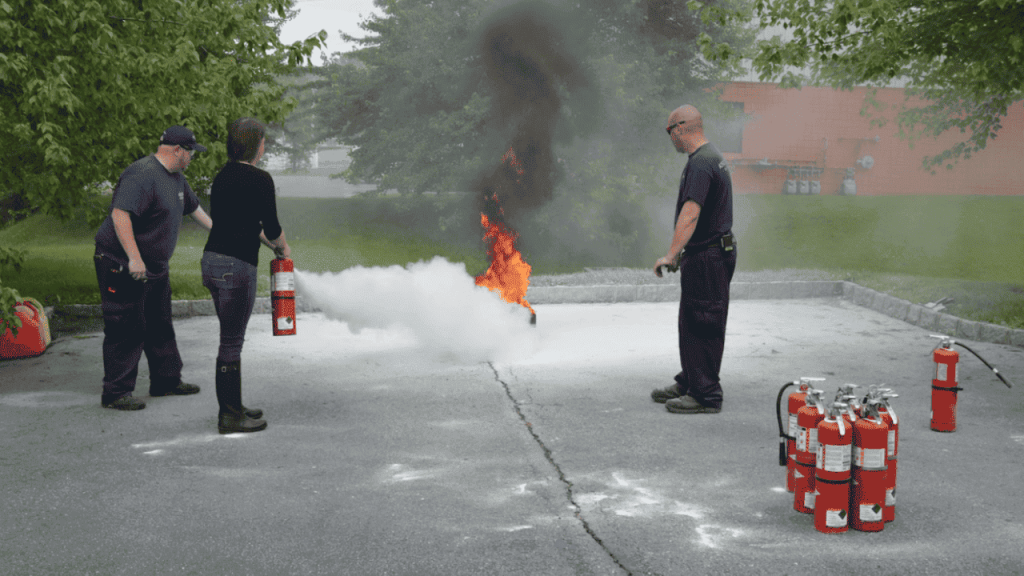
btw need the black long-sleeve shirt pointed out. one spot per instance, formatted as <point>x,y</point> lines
<point>242,203</point>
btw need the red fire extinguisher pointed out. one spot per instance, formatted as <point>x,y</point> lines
<point>870,465</point>
<point>892,449</point>
<point>788,427</point>
<point>945,385</point>
<point>832,473</point>
<point>807,419</point>
<point>282,296</point>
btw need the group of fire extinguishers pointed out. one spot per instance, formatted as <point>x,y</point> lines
<point>826,448</point>
<point>834,445</point>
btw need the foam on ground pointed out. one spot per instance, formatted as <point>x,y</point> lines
<point>438,301</point>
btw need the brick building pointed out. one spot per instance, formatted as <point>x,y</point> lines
<point>811,140</point>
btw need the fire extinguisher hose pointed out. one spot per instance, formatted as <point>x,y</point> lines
<point>990,367</point>
<point>782,433</point>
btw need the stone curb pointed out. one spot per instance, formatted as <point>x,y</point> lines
<point>897,308</point>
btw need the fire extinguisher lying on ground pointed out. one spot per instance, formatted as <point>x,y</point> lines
<point>945,384</point>
<point>282,296</point>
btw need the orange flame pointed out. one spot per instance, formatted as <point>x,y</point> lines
<point>508,273</point>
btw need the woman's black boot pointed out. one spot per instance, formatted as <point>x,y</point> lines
<point>233,417</point>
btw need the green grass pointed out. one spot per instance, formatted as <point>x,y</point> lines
<point>916,248</point>
<point>919,248</point>
<point>975,238</point>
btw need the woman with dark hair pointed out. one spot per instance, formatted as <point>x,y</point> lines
<point>244,214</point>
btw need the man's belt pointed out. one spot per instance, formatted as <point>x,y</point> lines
<point>727,242</point>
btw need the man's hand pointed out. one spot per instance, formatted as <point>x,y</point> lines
<point>685,225</point>
<point>670,262</point>
<point>137,268</point>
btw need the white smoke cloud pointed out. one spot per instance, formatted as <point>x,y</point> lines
<point>437,301</point>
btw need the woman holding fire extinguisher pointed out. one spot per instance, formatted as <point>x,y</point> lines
<point>244,210</point>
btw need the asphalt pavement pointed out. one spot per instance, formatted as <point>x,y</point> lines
<point>384,457</point>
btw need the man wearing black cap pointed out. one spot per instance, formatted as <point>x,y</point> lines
<point>133,249</point>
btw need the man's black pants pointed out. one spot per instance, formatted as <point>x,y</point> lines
<point>136,320</point>
<point>703,310</point>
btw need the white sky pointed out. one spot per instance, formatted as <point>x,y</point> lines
<point>331,16</point>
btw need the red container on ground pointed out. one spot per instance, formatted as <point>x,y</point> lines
<point>33,336</point>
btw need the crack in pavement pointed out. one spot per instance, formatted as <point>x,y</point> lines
<point>577,510</point>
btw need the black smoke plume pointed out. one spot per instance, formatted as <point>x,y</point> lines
<point>536,80</point>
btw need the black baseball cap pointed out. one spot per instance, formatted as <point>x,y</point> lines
<point>181,136</point>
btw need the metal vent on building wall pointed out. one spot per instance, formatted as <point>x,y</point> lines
<point>803,181</point>
<point>866,162</point>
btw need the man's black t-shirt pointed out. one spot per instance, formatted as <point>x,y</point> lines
<point>706,181</point>
<point>156,200</point>
<point>242,203</point>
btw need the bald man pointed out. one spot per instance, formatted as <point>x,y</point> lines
<point>704,250</point>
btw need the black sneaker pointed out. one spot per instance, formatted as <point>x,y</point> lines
<point>662,395</point>
<point>688,405</point>
<point>182,389</point>
<point>125,403</point>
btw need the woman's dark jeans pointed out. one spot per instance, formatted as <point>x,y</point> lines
<point>232,284</point>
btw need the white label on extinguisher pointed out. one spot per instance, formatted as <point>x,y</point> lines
<point>869,458</point>
<point>285,323</point>
<point>870,513</point>
<point>809,499</point>
<point>834,458</point>
<point>282,282</point>
<point>942,372</point>
<point>835,518</point>
<point>892,444</point>
<point>792,424</point>
<point>890,496</point>
<point>807,439</point>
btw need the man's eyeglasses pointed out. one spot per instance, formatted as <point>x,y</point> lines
<point>673,127</point>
